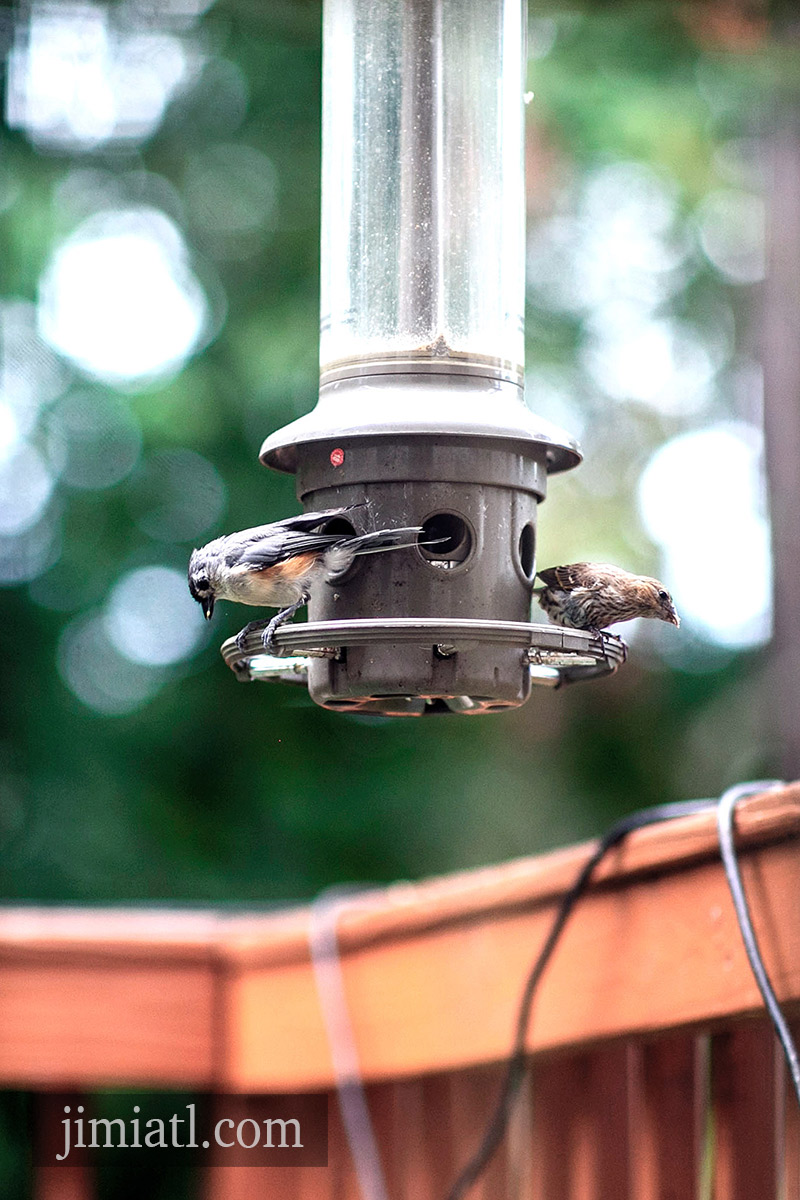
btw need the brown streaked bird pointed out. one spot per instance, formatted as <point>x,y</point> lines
<point>593,595</point>
<point>279,565</point>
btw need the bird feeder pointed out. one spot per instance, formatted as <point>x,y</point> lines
<point>421,415</point>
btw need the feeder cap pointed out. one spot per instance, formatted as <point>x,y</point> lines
<point>426,405</point>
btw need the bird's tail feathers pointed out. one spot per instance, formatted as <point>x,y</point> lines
<point>384,539</point>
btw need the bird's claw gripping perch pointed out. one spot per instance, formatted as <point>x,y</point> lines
<point>241,636</point>
<point>268,637</point>
<point>614,639</point>
<point>268,629</point>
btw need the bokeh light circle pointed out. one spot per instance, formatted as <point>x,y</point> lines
<point>26,485</point>
<point>119,299</point>
<point>177,495</point>
<point>702,498</point>
<point>93,439</point>
<point>95,671</point>
<point>151,618</point>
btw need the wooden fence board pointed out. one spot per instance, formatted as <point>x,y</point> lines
<point>791,1130</point>
<point>744,1094</point>
<point>668,1118</point>
<point>234,1004</point>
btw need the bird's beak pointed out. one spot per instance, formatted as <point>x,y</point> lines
<point>208,607</point>
<point>675,620</point>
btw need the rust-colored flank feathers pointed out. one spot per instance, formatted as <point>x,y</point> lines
<point>293,568</point>
<point>594,595</point>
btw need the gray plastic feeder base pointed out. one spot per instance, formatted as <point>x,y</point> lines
<point>459,456</point>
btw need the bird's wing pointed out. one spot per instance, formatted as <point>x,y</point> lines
<point>307,521</point>
<point>277,533</point>
<point>576,575</point>
<point>279,545</point>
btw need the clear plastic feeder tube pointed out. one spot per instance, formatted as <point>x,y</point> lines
<point>422,257</point>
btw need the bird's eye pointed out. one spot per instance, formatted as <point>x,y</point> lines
<point>201,584</point>
<point>663,596</point>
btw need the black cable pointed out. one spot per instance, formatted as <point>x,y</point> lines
<point>727,847</point>
<point>517,1064</point>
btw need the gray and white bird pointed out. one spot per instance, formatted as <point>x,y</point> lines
<point>279,565</point>
<point>593,595</point>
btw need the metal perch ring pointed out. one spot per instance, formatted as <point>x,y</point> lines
<point>556,656</point>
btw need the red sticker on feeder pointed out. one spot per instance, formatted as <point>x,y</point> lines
<point>337,457</point>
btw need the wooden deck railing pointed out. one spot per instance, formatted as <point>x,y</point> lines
<point>655,1075</point>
